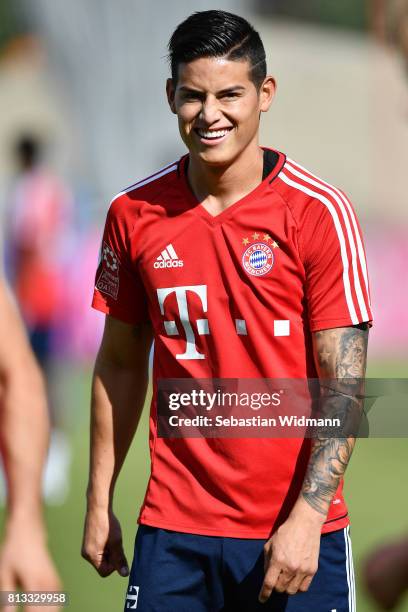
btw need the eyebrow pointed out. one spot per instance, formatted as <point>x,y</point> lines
<point>222,91</point>
<point>233,88</point>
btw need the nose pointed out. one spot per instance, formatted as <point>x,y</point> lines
<point>210,111</point>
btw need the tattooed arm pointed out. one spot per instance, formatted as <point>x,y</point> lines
<point>340,356</point>
<point>292,553</point>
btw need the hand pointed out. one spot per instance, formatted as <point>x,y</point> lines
<point>292,553</point>
<point>25,562</point>
<point>102,543</point>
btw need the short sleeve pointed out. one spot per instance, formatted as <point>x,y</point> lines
<point>119,290</point>
<point>336,286</point>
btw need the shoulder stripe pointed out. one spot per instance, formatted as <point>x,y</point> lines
<point>346,201</point>
<point>146,181</point>
<point>340,235</point>
<point>335,196</point>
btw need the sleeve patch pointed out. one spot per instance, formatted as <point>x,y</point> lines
<point>108,280</point>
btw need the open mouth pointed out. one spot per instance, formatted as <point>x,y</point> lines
<point>213,135</point>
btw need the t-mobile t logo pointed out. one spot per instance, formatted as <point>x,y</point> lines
<point>281,327</point>
<point>170,326</point>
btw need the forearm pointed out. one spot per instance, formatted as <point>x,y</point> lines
<point>24,559</point>
<point>23,419</point>
<point>328,462</point>
<point>118,396</point>
<point>340,356</point>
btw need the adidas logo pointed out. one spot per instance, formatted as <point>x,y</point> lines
<point>168,259</point>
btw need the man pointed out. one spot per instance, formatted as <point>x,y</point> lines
<point>389,21</point>
<point>385,573</point>
<point>24,559</point>
<point>37,233</point>
<point>240,264</point>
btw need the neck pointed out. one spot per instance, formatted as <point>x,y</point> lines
<point>226,183</point>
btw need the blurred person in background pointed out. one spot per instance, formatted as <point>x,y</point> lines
<point>398,10</point>
<point>385,569</point>
<point>385,573</point>
<point>25,562</point>
<point>184,259</point>
<point>37,231</point>
<point>389,22</point>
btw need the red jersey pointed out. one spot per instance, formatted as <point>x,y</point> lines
<point>40,215</point>
<point>235,295</point>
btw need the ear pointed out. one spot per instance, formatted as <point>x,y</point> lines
<point>267,93</point>
<point>170,91</point>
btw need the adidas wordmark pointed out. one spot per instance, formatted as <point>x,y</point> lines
<point>168,259</point>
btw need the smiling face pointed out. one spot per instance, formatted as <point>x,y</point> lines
<point>218,107</point>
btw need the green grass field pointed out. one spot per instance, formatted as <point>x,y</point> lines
<point>375,490</point>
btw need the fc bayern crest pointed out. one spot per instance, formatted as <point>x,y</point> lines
<point>258,259</point>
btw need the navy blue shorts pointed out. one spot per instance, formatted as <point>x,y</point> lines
<point>196,573</point>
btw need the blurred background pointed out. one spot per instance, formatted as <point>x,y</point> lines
<point>83,114</point>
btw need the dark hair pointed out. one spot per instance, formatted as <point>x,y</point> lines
<point>217,34</point>
<point>28,150</point>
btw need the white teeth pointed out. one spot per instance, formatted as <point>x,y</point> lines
<point>212,133</point>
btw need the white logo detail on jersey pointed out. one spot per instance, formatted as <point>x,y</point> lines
<point>131,597</point>
<point>168,259</point>
<point>191,351</point>
<point>258,259</point>
<point>108,280</point>
<point>281,328</point>
<point>110,259</point>
<point>240,327</point>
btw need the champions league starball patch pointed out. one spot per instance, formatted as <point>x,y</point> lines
<point>108,280</point>
<point>258,258</point>
<point>109,258</point>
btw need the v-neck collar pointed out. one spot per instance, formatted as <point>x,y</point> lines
<point>199,209</point>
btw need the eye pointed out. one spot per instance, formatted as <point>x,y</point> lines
<point>230,95</point>
<point>190,95</point>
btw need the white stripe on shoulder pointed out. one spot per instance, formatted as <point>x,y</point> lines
<point>162,172</point>
<point>331,191</point>
<point>340,235</point>
<point>353,220</point>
